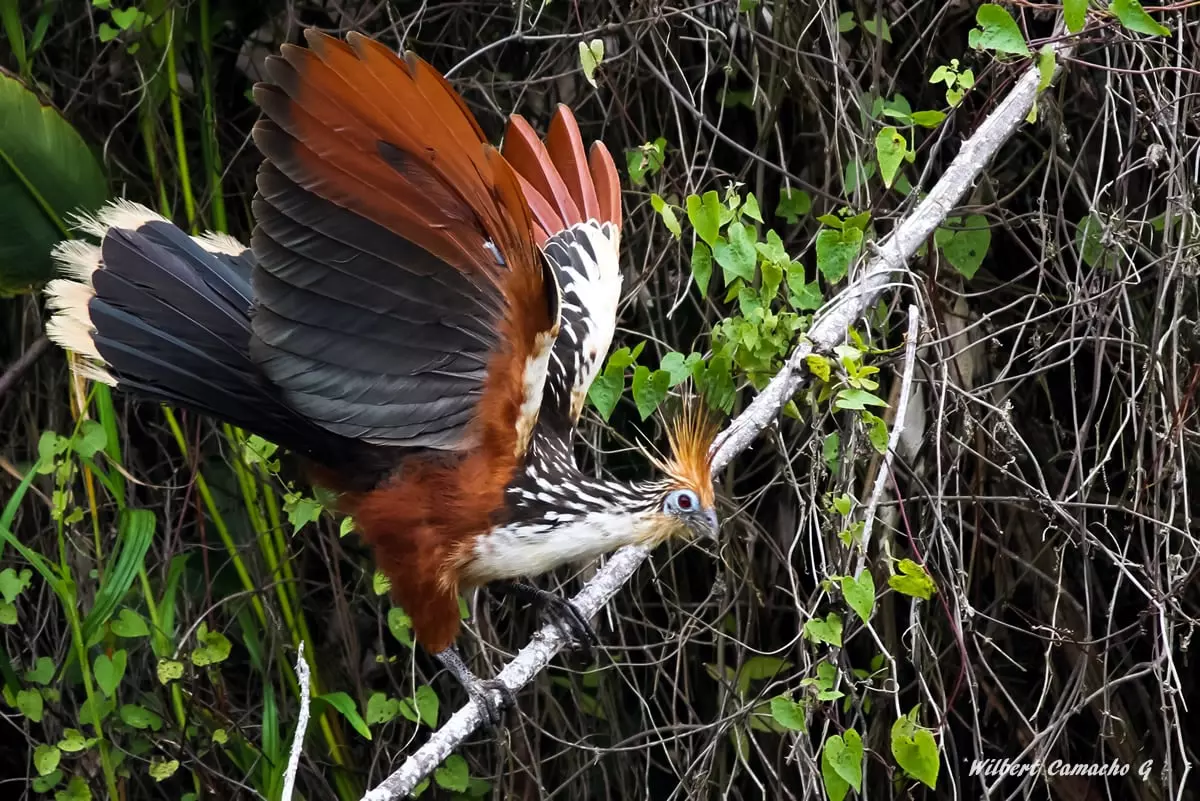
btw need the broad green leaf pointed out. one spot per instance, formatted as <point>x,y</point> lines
<point>1075,14</point>
<point>1134,17</point>
<point>843,755</point>
<point>750,207</point>
<point>163,769</point>
<point>772,250</point>
<point>427,705</point>
<point>1046,61</point>
<point>46,173</point>
<point>649,389</point>
<point>41,672</point>
<point>836,251</point>
<point>129,624</point>
<point>857,174</point>
<point>91,439</point>
<point>857,399</point>
<point>400,625</point>
<point>73,741</point>
<point>772,277</point>
<point>214,647</point>
<point>381,709</point>
<point>678,366</point>
<point>139,717</point>
<point>793,204</point>
<point>345,704</point>
<point>828,630</point>
<point>591,56</point>
<point>45,758</point>
<point>877,431</point>
<point>701,266</point>
<point>736,256</point>
<point>965,247</point>
<point>169,670</point>
<point>757,668</point>
<point>997,31</point>
<point>878,27</point>
<point>860,594</point>
<point>109,670</point>
<point>787,713</point>
<point>845,22</point>
<point>606,390</point>
<point>928,119</point>
<point>915,750</point>
<point>818,365</point>
<point>8,614</point>
<point>1089,239</point>
<point>77,790</point>
<point>912,580</point>
<point>831,449</point>
<point>453,774</point>
<point>805,295</point>
<point>890,147</point>
<point>29,704</point>
<point>13,583</point>
<point>704,212</point>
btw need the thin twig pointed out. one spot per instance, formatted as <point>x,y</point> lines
<point>828,330</point>
<point>293,765</point>
<point>23,363</point>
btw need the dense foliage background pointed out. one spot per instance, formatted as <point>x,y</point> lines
<point>157,571</point>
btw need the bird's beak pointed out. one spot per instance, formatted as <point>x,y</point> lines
<point>712,525</point>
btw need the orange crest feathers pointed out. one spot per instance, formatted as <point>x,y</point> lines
<point>689,436</point>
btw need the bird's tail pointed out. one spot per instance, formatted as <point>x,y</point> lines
<point>166,316</point>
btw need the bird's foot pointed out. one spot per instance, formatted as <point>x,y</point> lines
<point>560,611</point>
<point>491,696</point>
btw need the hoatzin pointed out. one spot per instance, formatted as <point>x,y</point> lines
<point>418,316</point>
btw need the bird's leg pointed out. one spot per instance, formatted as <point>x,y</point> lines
<point>479,689</point>
<point>564,613</point>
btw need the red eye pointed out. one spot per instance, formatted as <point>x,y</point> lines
<point>684,501</point>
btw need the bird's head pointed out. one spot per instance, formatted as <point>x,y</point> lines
<point>685,499</point>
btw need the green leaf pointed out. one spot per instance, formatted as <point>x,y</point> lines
<point>1134,17</point>
<point>860,594</point>
<point>787,713</point>
<point>129,624</point>
<point>400,625</point>
<point>29,703</point>
<point>301,510</point>
<point>46,172</point>
<point>649,389</point>
<point>214,647</point>
<point>77,790</point>
<point>836,251</point>
<point>13,583</point>
<point>8,614</point>
<point>828,630</point>
<point>878,27</point>
<point>45,758</point>
<point>108,671</point>
<point>964,247</point>
<point>453,774</point>
<point>427,705</point>
<point>845,22</point>
<point>591,56</point>
<point>41,672</point>
<point>1089,239</point>
<point>1046,61</point>
<point>773,250</point>
<point>345,704</point>
<point>915,749</point>
<point>793,204</point>
<point>73,741</point>
<point>842,755</point>
<point>381,709</point>
<point>928,119</point>
<point>704,212</point>
<point>606,389</point>
<point>668,215</point>
<point>805,295</point>
<point>857,399</point>
<point>997,31</point>
<point>345,527</point>
<point>701,266</point>
<point>913,580</point>
<point>877,431</point>
<point>818,365</point>
<point>44,784</point>
<point>679,367</point>
<point>169,670</point>
<point>750,207</point>
<point>163,769</point>
<point>91,439</point>
<point>1075,14</point>
<point>857,174</point>
<point>139,717</point>
<point>736,256</point>
<point>890,147</point>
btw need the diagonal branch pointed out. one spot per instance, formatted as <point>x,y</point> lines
<point>828,330</point>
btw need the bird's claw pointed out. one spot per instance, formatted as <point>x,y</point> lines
<point>483,692</point>
<point>574,626</point>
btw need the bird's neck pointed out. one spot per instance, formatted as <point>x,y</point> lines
<point>558,515</point>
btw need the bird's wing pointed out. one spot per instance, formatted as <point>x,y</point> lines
<point>575,198</point>
<point>401,299</point>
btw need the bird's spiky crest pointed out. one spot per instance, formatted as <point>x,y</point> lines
<point>690,434</point>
